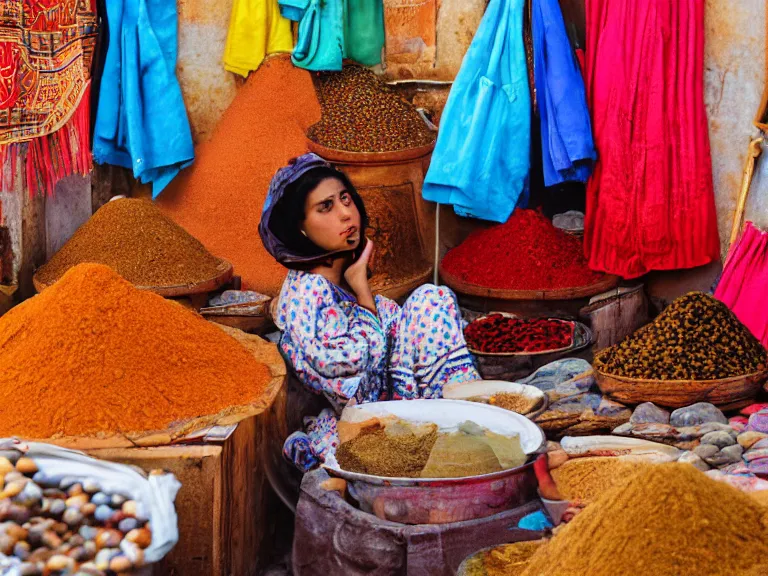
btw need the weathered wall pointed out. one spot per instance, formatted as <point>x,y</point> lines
<point>734,78</point>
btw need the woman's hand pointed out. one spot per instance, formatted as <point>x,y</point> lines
<point>357,278</point>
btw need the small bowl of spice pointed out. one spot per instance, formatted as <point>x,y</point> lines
<point>520,398</point>
<point>506,347</point>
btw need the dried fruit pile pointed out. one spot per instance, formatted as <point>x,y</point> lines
<point>362,114</point>
<point>144,246</point>
<point>695,338</point>
<point>496,334</point>
<point>64,526</point>
<point>525,253</point>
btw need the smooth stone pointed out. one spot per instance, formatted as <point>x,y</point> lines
<point>30,569</point>
<point>117,500</point>
<point>120,564</point>
<point>726,456</point>
<point>708,427</point>
<point>735,451</point>
<point>26,465</point>
<point>753,454</point>
<point>128,524</point>
<point>623,429</point>
<point>103,513</point>
<point>109,539</point>
<point>700,413</point>
<point>104,556</point>
<point>21,550</point>
<point>32,494</point>
<point>693,459</point>
<point>72,517</point>
<point>706,451</point>
<point>100,499</point>
<point>58,507</point>
<point>719,439</point>
<point>91,486</point>
<point>88,532</point>
<point>648,412</point>
<point>6,466</point>
<point>67,482</point>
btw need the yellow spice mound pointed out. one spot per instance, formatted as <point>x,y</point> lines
<point>586,479</point>
<point>667,520</point>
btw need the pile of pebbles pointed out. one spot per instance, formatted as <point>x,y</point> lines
<point>67,526</point>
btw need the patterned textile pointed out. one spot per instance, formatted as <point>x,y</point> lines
<point>46,47</point>
<point>343,351</point>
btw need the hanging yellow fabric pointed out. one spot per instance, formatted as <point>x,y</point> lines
<point>256,29</point>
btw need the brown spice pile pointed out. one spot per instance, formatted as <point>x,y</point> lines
<point>667,520</point>
<point>362,114</point>
<point>585,479</point>
<point>696,338</point>
<point>145,247</point>
<point>219,199</point>
<point>510,559</point>
<point>94,354</point>
<point>514,402</point>
<point>376,452</point>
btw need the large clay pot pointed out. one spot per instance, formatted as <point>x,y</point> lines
<point>402,223</point>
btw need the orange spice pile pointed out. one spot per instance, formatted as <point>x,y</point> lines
<point>94,354</point>
<point>219,199</point>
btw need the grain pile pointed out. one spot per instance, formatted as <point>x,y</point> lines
<point>695,338</point>
<point>362,114</point>
<point>145,247</point>
<point>219,199</point>
<point>374,451</point>
<point>586,479</point>
<point>94,354</point>
<point>667,520</point>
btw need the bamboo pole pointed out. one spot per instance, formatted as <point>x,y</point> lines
<point>753,152</point>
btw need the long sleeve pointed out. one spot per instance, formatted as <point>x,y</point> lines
<point>330,343</point>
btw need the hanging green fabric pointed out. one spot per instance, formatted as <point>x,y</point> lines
<point>364,31</point>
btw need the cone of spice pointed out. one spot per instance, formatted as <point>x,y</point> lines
<point>143,245</point>
<point>92,354</point>
<point>696,338</point>
<point>525,253</point>
<point>362,114</point>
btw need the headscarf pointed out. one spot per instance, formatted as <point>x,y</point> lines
<point>288,256</point>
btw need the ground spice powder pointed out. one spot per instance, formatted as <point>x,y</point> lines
<point>585,479</point>
<point>667,520</point>
<point>145,247</point>
<point>499,334</point>
<point>94,354</point>
<point>219,199</point>
<point>515,402</point>
<point>525,253</point>
<point>376,452</point>
<point>695,338</point>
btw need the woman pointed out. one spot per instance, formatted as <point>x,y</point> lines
<point>340,339</point>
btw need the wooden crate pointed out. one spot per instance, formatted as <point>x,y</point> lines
<point>225,504</point>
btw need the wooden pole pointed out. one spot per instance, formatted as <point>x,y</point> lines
<point>753,152</point>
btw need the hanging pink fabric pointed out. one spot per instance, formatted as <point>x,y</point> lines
<point>650,201</point>
<point>744,283</point>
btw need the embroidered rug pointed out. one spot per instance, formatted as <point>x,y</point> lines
<point>46,48</point>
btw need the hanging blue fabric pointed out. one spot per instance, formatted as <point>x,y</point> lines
<point>482,155</point>
<point>566,131</point>
<point>320,45</point>
<point>141,122</point>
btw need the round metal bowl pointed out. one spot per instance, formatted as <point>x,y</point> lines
<point>445,500</point>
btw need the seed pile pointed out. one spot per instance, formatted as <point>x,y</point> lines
<point>586,479</point>
<point>63,526</point>
<point>525,253</point>
<point>502,334</point>
<point>220,197</point>
<point>667,520</point>
<point>93,354</point>
<point>695,338</point>
<point>376,452</point>
<point>362,114</point>
<point>514,402</point>
<point>145,247</point>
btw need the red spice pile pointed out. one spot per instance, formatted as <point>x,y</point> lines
<point>220,198</point>
<point>525,253</point>
<point>502,334</point>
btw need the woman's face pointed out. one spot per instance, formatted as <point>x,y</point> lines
<point>332,220</point>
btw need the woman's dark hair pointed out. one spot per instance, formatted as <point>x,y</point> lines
<point>289,212</point>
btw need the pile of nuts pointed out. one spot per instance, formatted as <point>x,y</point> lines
<point>362,114</point>
<point>63,526</point>
<point>695,338</point>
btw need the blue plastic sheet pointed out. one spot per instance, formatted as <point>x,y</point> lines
<point>141,122</point>
<point>536,521</point>
<point>482,156</point>
<point>566,132</point>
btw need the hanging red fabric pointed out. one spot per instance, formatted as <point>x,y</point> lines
<point>650,201</point>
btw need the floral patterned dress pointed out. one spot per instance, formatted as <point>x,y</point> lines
<point>345,352</point>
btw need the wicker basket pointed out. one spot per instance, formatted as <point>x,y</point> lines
<point>726,393</point>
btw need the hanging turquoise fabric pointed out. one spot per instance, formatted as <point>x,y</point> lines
<point>320,44</point>
<point>482,156</point>
<point>364,31</point>
<point>141,122</point>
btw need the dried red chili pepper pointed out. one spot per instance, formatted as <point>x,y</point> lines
<point>525,253</point>
<point>501,334</point>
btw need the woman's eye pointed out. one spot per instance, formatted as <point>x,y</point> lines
<point>326,206</point>
<point>346,199</point>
